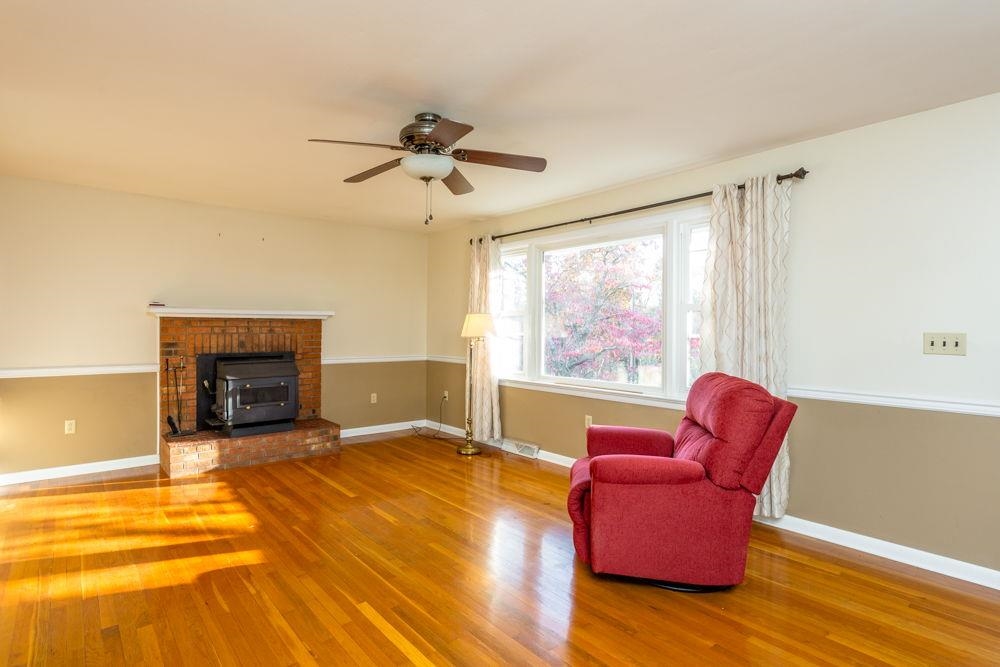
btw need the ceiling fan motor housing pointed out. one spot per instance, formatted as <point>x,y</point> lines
<point>414,136</point>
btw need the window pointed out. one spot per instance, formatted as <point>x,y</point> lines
<point>615,307</point>
<point>511,319</point>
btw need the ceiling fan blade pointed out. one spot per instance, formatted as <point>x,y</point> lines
<point>358,143</point>
<point>457,183</point>
<point>525,162</point>
<point>447,132</point>
<point>374,171</point>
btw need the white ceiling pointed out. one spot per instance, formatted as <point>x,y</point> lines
<point>213,101</point>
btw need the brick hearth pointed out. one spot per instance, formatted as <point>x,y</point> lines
<point>183,338</point>
<point>206,450</point>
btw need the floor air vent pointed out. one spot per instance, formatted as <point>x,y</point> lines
<point>522,448</point>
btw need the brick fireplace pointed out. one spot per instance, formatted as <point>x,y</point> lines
<point>184,335</point>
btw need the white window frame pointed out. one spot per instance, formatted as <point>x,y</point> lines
<point>685,305</point>
<point>498,312</point>
<point>675,228</point>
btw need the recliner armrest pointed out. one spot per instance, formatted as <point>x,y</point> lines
<point>631,469</point>
<point>603,440</point>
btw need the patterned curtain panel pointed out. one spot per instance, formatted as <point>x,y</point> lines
<point>485,389</point>
<point>743,328</point>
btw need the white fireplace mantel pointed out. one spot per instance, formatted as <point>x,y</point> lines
<point>176,311</point>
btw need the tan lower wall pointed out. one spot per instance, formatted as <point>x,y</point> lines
<point>116,414</point>
<point>441,376</point>
<point>401,388</point>
<point>916,478</point>
<point>115,419</point>
<point>555,422</point>
<point>922,479</point>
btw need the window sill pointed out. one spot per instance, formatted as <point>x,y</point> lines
<point>669,403</point>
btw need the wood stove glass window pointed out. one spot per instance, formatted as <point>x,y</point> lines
<point>265,395</point>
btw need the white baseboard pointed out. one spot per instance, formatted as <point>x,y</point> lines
<point>445,428</point>
<point>78,469</point>
<point>381,428</point>
<point>951,567</point>
<point>558,459</point>
<point>400,426</point>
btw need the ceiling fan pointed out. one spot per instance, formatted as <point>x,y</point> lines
<point>430,139</point>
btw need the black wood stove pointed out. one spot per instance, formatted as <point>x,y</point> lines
<point>246,394</point>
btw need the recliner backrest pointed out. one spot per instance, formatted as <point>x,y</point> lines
<point>726,421</point>
<point>759,466</point>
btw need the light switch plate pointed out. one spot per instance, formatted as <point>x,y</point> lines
<point>944,343</point>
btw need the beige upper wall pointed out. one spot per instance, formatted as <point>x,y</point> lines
<point>448,292</point>
<point>79,266</point>
<point>887,239</point>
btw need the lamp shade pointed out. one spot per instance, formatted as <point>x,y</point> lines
<point>477,325</point>
<point>427,165</point>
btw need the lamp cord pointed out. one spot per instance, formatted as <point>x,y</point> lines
<point>436,435</point>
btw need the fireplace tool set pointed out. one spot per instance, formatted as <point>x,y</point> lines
<point>176,428</point>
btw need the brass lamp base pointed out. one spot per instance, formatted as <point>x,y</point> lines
<point>468,449</point>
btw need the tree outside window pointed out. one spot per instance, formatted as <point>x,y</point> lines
<point>603,317</point>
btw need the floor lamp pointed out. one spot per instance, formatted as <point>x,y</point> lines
<point>475,328</point>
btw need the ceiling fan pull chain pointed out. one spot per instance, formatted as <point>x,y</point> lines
<point>428,202</point>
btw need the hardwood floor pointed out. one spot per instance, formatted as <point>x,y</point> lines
<point>397,551</point>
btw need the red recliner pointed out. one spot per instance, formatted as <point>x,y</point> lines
<point>678,509</point>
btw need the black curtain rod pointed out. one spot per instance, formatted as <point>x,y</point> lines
<point>799,173</point>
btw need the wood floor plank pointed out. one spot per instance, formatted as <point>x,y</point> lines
<point>398,551</point>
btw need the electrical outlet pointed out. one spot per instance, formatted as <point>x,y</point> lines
<point>944,343</point>
<point>69,427</point>
<point>588,421</point>
<point>445,394</point>
<point>374,398</point>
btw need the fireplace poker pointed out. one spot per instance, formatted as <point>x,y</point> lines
<point>170,418</point>
<point>177,395</point>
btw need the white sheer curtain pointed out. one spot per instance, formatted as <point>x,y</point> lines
<point>743,326</point>
<point>485,389</point>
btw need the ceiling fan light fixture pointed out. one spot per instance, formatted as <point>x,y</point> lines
<point>427,165</point>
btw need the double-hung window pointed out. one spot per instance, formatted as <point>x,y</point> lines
<point>611,307</point>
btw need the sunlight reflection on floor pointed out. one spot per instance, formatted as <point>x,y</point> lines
<point>121,537</point>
